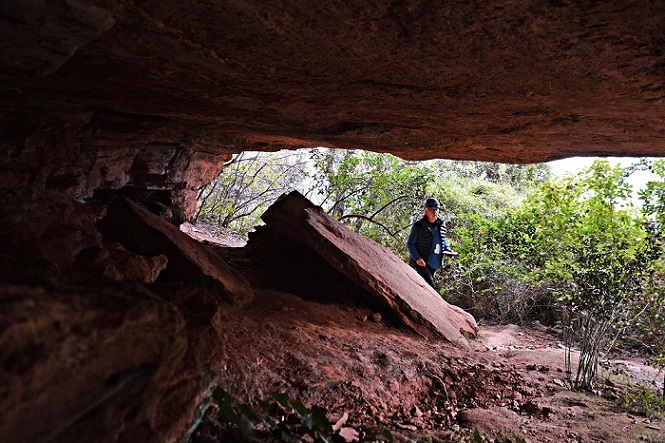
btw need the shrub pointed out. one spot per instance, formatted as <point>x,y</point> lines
<point>283,420</point>
<point>642,400</point>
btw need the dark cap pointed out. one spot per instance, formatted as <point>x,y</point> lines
<point>431,203</point>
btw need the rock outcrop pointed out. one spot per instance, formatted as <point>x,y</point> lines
<point>515,80</point>
<point>374,269</point>
<point>98,361</point>
<point>144,233</point>
<point>149,99</point>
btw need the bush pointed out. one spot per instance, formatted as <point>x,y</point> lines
<point>642,400</point>
<point>283,420</point>
<point>495,295</point>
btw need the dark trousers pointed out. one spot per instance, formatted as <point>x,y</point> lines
<point>426,272</point>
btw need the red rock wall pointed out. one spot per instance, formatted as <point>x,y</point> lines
<point>517,80</point>
<point>149,99</point>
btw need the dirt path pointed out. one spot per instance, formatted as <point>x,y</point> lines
<point>510,384</point>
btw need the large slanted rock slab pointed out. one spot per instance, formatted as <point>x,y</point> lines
<point>372,267</point>
<point>142,232</point>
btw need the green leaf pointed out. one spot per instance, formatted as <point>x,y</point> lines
<point>320,420</point>
<point>220,396</point>
<point>249,413</point>
<point>283,400</point>
<point>299,407</point>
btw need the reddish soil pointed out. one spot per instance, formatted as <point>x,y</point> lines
<point>511,383</point>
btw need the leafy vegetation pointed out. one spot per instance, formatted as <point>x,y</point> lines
<point>643,400</point>
<point>283,420</point>
<point>289,421</point>
<point>500,438</point>
<point>250,182</point>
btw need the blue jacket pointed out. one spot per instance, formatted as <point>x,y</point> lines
<point>428,243</point>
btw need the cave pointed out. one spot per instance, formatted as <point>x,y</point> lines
<point>116,100</point>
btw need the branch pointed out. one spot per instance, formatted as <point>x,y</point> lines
<point>364,217</point>
<point>388,204</point>
<point>204,201</point>
<point>371,218</point>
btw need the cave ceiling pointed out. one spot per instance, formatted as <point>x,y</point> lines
<point>514,81</point>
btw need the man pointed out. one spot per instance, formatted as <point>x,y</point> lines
<point>427,242</point>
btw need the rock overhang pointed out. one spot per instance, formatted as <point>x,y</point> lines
<point>149,100</point>
<point>512,81</point>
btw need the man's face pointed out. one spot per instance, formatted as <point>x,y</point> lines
<point>432,214</point>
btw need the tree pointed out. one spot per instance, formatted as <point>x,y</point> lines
<point>247,185</point>
<point>653,196</point>
<point>372,193</point>
<point>486,279</point>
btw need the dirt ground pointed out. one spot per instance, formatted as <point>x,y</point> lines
<point>352,360</point>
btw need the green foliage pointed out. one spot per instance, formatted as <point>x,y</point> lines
<point>374,194</point>
<point>531,247</point>
<point>476,437</point>
<point>283,420</point>
<point>377,195</point>
<point>506,258</point>
<point>653,196</point>
<point>576,247</point>
<point>289,421</point>
<point>610,261</point>
<point>643,400</point>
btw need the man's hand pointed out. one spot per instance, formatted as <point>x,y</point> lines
<point>420,262</point>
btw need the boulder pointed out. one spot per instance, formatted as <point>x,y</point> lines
<point>142,232</point>
<point>79,364</point>
<point>370,266</point>
<point>106,363</point>
<point>118,264</point>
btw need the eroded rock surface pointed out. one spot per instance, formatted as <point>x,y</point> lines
<point>144,233</point>
<point>370,266</point>
<point>70,351</point>
<point>149,99</point>
<point>514,80</point>
<point>94,360</point>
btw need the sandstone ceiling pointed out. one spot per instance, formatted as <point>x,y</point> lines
<point>511,80</point>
